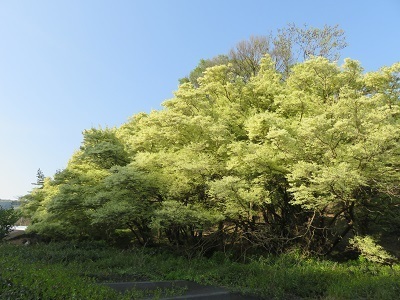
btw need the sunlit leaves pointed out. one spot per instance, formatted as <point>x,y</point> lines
<point>296,157</point>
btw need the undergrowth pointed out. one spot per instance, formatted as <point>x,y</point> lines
<point>71,271</point>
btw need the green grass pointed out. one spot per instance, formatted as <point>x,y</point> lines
<point>68,270</point>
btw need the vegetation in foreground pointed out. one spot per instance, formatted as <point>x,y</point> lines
<point>71,270</point>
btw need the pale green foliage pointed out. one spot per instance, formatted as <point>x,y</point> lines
<point>237,198</point>
<point>35,204</point>
<point>264,88</point>
<point>269,159</point>
<point>371,251</point>
<point>316,186</point>
<point>386,83</point>
<point>126,199</point>
<point>103,148</point>
<point>174,213</point>
<point>61,208</point>
<point>203,65</point>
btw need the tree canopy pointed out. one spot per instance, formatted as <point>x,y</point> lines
<point>269,157</point>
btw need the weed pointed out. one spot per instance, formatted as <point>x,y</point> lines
<point>65,270</point>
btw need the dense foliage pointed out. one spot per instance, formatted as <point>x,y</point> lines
<point>271,159</point>
<point>8,217</point>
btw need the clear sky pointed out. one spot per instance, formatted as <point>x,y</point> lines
<point>69,65</point>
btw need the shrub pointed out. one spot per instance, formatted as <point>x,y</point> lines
<point>8,217</point>
<point>371,251</point>
<point>22,280</point>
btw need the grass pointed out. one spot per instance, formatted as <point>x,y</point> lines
<point>68,270</point>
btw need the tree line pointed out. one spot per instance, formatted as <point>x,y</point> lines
<point>269,147</point>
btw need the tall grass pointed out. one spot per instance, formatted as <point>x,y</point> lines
<point>79,266</point>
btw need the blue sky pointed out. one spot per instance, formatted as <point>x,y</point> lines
<point>69,65</point>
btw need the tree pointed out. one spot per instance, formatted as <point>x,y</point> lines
<point>288,46</point>
<point>8,218</point>
<point>246,55</point>
<point>178,151</point>
<point>61,209</point>
<point>347,145</point>
<point>102,147</point>
<point>264,151</point>
<point>291,44</point>
<point>126,199</point>
<point>294,44</point>
<point>309,42</point>
<point>39,179</point>
<point>202,66</point>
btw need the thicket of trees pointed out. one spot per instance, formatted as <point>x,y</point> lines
<point>272,146</point>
